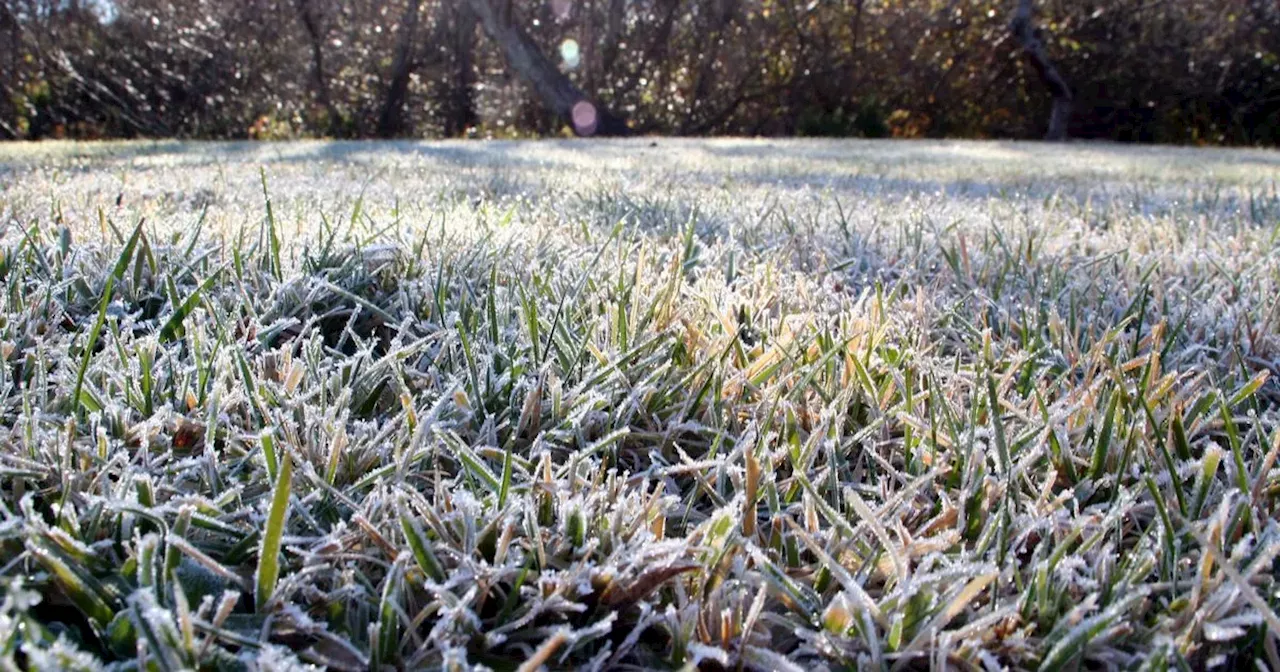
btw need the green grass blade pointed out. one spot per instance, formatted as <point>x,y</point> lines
<point>269,552</point>
<point>116,273</point>
<point>172,329</point>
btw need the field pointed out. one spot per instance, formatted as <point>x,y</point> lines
<point>639,405</point>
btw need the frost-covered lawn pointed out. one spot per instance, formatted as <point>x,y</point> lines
<point>645,404</point>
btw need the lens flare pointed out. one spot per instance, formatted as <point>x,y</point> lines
<point>584,117</point>
<point>570,53</point>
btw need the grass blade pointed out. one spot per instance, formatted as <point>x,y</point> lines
<point>269,552</point>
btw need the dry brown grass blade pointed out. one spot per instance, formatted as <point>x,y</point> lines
<point>616,595</point>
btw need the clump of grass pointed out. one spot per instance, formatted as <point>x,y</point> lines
<point>771,418</point>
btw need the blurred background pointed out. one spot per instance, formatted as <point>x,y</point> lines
<point>1170,71</point>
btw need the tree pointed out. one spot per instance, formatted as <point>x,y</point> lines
<point>315,35</point>
<point>1201,71</point>
<point>1025,32</point>
<point>8,73</point>
<point>391,120</point>
<point>460,111</point>
<point>556,91</point>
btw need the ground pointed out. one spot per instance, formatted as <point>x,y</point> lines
<point>643,404</point>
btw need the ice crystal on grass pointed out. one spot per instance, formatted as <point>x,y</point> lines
<point>833,405</point>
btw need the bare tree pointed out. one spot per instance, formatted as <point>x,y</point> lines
<point>617,11</point>
<point>556,91</point>
<point>8,71</point>
<point>315,35</point>
<point>719,16</point>
<point>391,119</point>
<point>461,113</point>
<point>1024,30</point>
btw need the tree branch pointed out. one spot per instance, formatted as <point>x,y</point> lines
<point>557,91</point>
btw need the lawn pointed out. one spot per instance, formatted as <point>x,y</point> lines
<point>771,405</point>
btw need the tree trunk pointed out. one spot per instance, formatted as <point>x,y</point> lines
<point>391,120</point>
<point>612,30</point>
<point>8,73</point>
<point>1025,32</point>
<point>587,45</point>
<point>857,34</point>
<point>552,87</point>
<point>462,112</point>
<point>312,25</point>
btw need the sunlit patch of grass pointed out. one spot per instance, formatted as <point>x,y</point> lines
<point>734,404</point>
